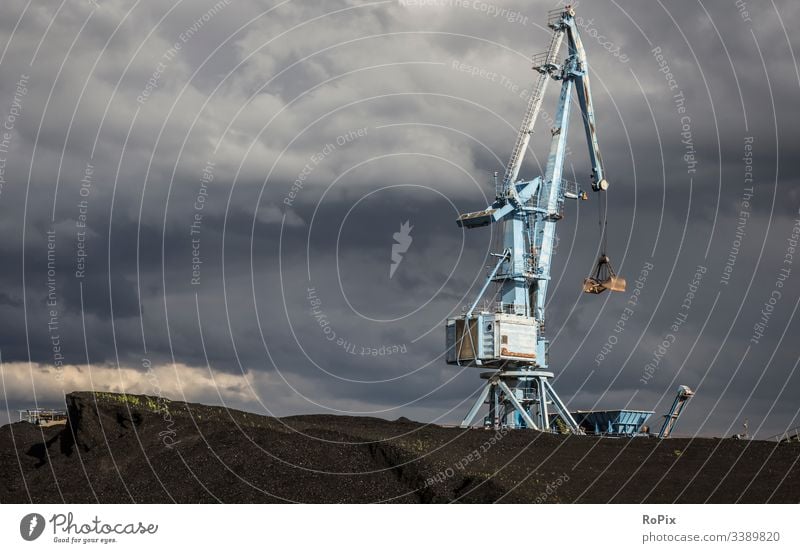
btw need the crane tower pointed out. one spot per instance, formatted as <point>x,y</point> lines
<point>509,337</point>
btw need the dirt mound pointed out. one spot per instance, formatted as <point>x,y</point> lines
<point>121,448</point>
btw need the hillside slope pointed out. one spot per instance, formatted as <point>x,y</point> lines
<point>123,448</point>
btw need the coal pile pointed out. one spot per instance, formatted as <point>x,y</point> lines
<point>124,448</point>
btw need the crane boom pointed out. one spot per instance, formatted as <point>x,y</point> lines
<point>532,111</point>
<point>584,91</point>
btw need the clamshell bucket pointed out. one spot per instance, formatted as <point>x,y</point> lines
<point>603,278</point>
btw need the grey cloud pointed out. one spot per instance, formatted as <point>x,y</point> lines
<point>427,125</point>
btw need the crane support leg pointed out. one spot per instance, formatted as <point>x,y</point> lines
<point>526,392</point>
<point>517,405</point>
<point>561,408</point>
<point>467,422</point>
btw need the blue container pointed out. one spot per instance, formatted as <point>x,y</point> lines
<point>617,422</point>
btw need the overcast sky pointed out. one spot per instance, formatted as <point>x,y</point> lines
<point>198,199</point>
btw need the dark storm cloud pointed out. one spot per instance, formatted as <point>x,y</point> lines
<point>374,109</point>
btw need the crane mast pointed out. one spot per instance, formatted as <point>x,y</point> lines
<point>509,336</point>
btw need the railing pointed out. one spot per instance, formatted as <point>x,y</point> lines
<point>510,308</point>
<point>791,434</point>
<point>554,16</point>
<point>540,61</point>
<point>569,189</point>
<point>500,307</point>
<point>499,188</point>
<point>39,416</point>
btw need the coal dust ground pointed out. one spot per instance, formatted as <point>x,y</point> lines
<point>124,448</point>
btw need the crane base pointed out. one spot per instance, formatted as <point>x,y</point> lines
<point>520,398</point>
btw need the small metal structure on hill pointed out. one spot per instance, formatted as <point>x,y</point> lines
<point>43,417</point>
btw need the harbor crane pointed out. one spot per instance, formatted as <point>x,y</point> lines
<point>509,337</point>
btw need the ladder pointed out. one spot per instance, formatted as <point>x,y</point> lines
<point>787,436</point>
<point>544,63</point>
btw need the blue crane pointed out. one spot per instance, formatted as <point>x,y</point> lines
<point>509,336</point>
